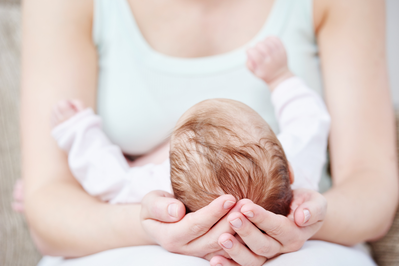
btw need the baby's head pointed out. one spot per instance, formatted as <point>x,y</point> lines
<point>222,147</point>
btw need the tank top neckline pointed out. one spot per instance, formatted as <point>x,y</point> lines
<point>200,66</point>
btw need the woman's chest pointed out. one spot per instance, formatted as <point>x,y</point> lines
<point>142,92</point>
<point>140,108</point>
<point>199,28</point>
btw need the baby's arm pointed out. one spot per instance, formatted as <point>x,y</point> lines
<point>304,126</point>
<point>99,165</point>
<point>302,116</point>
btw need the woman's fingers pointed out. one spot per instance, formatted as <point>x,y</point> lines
<point>238,252</point>
<point>277,226</point>
<point>210,240</point>
<point>307,215</point>
<point>259,243</point>
<point>311,208</point>
<point>283,234</point>
<point>201,221</point>
<point>222,261</point>
<point>182,236</point>
<point>220,253</point>
<point>162,206</point>
<point>292,231</point>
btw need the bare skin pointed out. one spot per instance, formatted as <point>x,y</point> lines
<point>63,65</point>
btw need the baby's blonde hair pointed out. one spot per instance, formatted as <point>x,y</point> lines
<point>221,147</point>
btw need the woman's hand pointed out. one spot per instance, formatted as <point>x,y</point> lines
<point>282,234</point>
<point>196,234</point>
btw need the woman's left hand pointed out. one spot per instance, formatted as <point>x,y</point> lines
<point>282,234</point>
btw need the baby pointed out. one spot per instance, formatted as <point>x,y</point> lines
<point>218,147</point>
<point>224,147</point>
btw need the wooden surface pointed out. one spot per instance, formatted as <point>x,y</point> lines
<point>386,250</point>
<point>13,2</point>
<point>16,247</point>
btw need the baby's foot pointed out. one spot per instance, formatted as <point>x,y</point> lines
<point>268,61</point>
<point>64,110</point>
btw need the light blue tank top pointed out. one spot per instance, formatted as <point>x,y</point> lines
<point>142,93</point>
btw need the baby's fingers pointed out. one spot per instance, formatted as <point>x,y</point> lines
<point>255,58</point>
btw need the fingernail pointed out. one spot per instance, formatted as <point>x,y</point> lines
<point>249,214</point>
<point>306,214</point>
<point>219,264</point>
<point>228,204</point>
<point>172,210</point>
<point>236,223</point>
<point>227,244</point>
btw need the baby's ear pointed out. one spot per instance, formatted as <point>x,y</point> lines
<point>291,173</point>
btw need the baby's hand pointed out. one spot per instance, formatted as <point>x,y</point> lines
<point>64,110</point>
<point>268,61</point>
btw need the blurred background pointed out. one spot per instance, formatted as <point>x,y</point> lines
<point>393,47</point>
<point>16,247</point>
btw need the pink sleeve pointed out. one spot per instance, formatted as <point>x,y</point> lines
<point>304,127</point>
<point>100,166</point>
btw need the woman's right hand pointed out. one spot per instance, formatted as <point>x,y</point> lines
<point>277,235</point>
<point>195,234</point>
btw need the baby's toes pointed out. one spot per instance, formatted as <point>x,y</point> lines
<point>66,109</point>
<point>63,110</point>
<point>78,105</point>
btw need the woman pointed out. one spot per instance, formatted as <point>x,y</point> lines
<point>144,57</point>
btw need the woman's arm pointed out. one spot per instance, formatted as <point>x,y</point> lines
<point>364,196</point>
<point>59,62</point>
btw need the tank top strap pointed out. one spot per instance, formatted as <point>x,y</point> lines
<point>114,22</point>
<point>108,17</point>
<point>289,13</point>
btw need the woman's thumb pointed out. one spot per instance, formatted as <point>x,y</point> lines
<point>162,206</point>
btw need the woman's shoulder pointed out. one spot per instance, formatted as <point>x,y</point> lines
<point>51,12</point>
<point>322,9</point>
<point>48,5</point>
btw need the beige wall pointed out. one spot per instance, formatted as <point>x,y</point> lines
<point>393,47</point>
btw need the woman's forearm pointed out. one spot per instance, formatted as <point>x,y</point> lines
<point>62,64</point>
<point>363,200</point>
<point>65,221</point>
<point>365,215</point>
